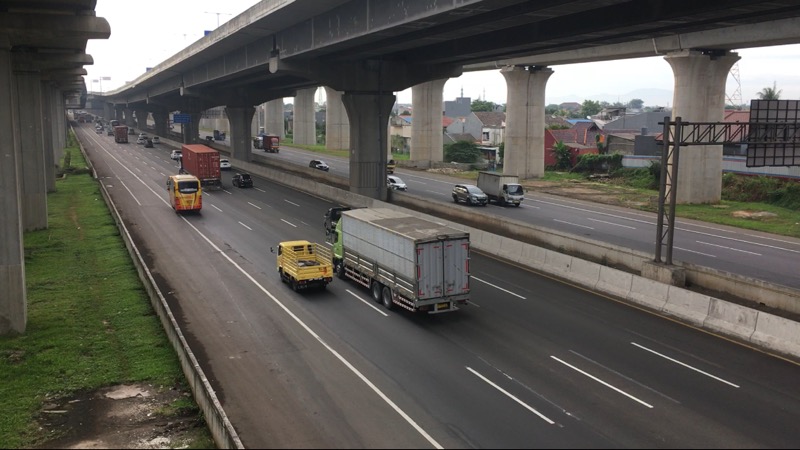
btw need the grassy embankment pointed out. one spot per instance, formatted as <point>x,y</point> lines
<point>90,323</point>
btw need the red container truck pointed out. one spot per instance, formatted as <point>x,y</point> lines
<point>203,162</point>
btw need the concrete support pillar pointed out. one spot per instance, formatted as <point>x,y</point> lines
<point>108,111</point>
<point>50,161</point>
<point>141,119</point>
<point>337,125</point>
<point>305,130</point>
<point>427,134</point>
<point>34,186</point>
<point>62,130</point>
<point>275,122</point>
<point>119,114</point>
<point>13,297</point>
<point>699,96</point>
<point>161,119</point>
<point>191,131</point>
<point>129,119</point>
<point>524,142</point>
<point>369,116</point>
<point>241,119</point>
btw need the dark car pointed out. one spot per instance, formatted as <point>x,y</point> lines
<point>470,194</point>
<point>148,143</point>
<point>242,180</point>
<point>318,164</point>
<point>110,132</point>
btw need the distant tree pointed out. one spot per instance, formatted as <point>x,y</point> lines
<point>770,93</point>
<point>482,105</point>
<point>604,104</point>
<point>617,105</point>
<point>462,152</point>
<point>405,113</point>
<point>636,103</point>
<point>557,126</point>
<point>590,108</point>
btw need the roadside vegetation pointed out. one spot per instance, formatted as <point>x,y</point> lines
<point>90,323</point>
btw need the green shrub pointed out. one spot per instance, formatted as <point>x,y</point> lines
<point>594,163</point>
<point>462,152</point>
<point>562,155</point>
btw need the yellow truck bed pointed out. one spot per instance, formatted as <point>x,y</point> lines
<point>304,264</point>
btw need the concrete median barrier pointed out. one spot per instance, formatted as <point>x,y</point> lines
<point>731,319</point>
<point>687,305</point>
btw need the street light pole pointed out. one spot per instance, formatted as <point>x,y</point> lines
<point>218,14</point>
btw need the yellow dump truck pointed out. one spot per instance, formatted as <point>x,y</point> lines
<point>304,264</point>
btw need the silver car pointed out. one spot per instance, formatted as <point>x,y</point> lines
<point>470,194</point>
<point>396,183</point>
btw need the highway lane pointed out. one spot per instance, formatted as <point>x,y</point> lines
<point>753,254</point>
<point>531,362</point>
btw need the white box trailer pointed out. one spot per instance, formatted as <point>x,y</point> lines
<point>500,188</point>
<point>403,259</point>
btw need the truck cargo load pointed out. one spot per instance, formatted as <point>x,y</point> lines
<point>203,162</point>
<point>270,143</point>
<point>121,134</point>
<point>403,259</point>
<point>304,265</point>
<point>500,188</point>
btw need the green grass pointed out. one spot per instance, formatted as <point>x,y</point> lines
<point>90,323</point>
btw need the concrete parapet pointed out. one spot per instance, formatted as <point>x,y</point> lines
<point>687,305</point>
<point>559,263</point>
<point>730,318</point>
<point>777,333</point>
<point>614,282</point>
<point>584,273</point>
<point>648,293</point>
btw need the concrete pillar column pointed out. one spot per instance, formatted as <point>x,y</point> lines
<point>241,119</point>
<point>699,96</point>
<point>427,134</point>
<point>119,114</point>
<point>337,125</point>
<point>34,186</point>
<point>275,123</point>
<point>13,297</point>
<point>305,130</point>
<point>524,137</point>
<point>141,119</point>
<point>108,111</point>
<point>61,124</point>
<point>369,117</point>
<point>129,120</point>
<point>50,161</point>
<point>191,131</point>
<point>161,119</point>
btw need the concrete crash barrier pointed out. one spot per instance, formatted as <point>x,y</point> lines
<point>614,282</point>
<point>731,319</point>
<point>687,305</point>
<point>584,273</point>
<point>776,333</point>
<point>649,293</point>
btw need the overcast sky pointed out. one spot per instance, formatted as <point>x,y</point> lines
<point>147,32</point>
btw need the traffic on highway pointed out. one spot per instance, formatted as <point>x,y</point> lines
<point>530,361</point>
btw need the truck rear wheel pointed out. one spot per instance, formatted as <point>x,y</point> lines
<point>387,298</point>
<point>340,270</point>
<point>376,291</point>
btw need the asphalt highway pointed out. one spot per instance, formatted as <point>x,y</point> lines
<point>530,362</point>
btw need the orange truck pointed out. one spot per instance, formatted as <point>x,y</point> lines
<point>203,162</point>
<point>121,134</point>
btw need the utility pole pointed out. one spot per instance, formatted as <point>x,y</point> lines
<point>218,14</point>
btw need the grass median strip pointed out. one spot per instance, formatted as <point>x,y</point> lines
<point>90,323</point>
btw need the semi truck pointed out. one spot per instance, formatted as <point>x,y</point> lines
<point>304,265</point>
<point>121,134</point>
<point>270,143</point>
<point>501,189</point>
<point>203,162</point>
<point>404,260</point>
